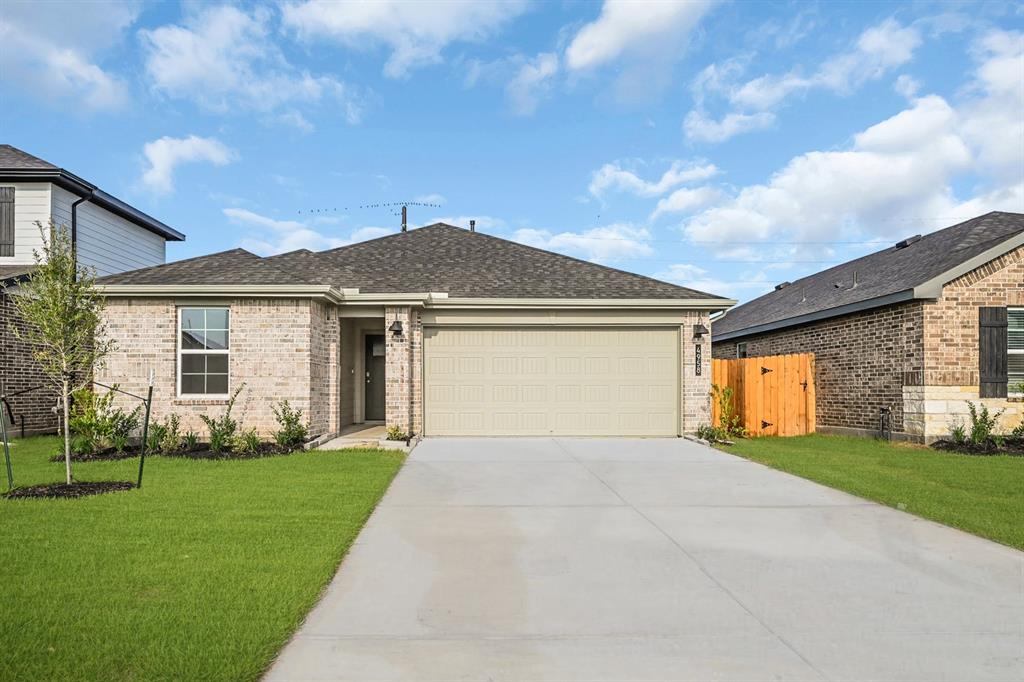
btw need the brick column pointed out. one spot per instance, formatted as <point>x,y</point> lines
<point>696,389</point>
<point>398,368</point>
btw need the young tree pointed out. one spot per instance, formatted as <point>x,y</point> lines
<point>63,314</point>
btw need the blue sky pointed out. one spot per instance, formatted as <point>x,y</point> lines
<point>722,145</point>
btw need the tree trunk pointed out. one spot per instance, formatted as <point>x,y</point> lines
<point>67,432</point>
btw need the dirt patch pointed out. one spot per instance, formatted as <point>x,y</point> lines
<point>69,491</point>
<point>1009,446</point>
<point>108,455</point>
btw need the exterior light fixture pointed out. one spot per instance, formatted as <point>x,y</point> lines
<point>396,328</point>
<point>699,331</point>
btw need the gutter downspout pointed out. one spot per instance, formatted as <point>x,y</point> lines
<point>74,224</point>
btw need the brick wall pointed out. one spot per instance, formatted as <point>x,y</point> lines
<point>696,390</point>
<point>19,371</point>
<point>271,341</point>
<point>400,383</point>
<point>325,368</point>
<point>862,361</point>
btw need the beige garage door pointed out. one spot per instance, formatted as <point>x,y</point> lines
<point>551,381</point>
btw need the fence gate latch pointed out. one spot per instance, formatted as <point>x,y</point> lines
<point>765,425</point>
<point>804,384</point>
<point>765,370</point>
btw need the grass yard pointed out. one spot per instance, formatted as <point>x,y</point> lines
<point>203,574</point>
<point>981,495</point>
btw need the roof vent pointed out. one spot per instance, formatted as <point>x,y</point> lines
<point>907,242</point>
<point>782,285</point>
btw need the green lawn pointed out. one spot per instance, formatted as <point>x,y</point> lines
<point>203,574</point>
<point>982,495</point>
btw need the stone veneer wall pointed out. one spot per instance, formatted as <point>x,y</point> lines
<point>271,342</point>
<point>696,390</point>
<point>19,371</point>
<point>862,362</point>
<point>951,347</point>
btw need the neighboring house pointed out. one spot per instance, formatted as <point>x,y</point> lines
<point>109,235</point>
<point>920,328</point>
<point>436,331</point>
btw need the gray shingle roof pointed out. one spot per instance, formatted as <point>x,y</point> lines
<point>887,273</point>
<point>14,158</point>
<point>10,273</point>
<point>437,258</point>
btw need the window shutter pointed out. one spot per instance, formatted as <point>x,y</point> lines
<point>992,351</point>
<point>6,221</point>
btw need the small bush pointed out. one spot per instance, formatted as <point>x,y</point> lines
<point>247,442</point>
<point>958,433</point>
<point>396,433</point>
<point>728,421</point>
<point>190,441</point>
<point>96,425</point>
<point>222,429</point>
<point>983,423</point>
<point>155,439</point>
<point>709,433</point>
<point>165,437</point>
<point>293,432</point>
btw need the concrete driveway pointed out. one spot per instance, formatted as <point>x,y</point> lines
<point>636,560</point>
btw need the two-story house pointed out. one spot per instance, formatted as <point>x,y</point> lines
<point>109,236</point>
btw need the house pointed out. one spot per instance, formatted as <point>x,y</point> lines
<point>436,331</point>
<point>919,328</point>
<point>109,236</point>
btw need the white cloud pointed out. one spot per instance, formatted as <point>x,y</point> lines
<point>416,32</point>
<point>531,83</point>
<point>224,58</point>
<point>696,277</point>
<point>51,50</point>
<point>878,50</point>
<point>898,176</point>
<point>612,177</point>
<point>907,86</point>
<point>627,26</point>
<point>274,236</point>
<point>600,244</point>
<point>167,153</point>
<point>698,126</point>
<point>686,200</point>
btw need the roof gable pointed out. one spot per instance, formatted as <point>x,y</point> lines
<point>439,258</point>
<point>880,278</point>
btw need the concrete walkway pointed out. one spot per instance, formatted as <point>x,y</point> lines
<point>643,560</point>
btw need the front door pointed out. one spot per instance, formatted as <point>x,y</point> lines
<point>374,366</point>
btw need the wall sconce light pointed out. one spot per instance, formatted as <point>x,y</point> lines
<point>699,331</point>
<point>396,328</point>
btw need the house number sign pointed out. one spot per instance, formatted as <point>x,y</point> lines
<point>696,359</point>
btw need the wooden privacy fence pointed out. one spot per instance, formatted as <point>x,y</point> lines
<point>772,395</point>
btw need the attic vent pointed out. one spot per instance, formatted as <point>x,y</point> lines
<point>907,242</point>
<point>782,285</point>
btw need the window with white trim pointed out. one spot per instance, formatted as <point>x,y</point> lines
<point>1015,350</point>
<point>741,350</point>
<point>203,347</point>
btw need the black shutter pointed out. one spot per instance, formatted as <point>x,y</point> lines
<point>992,351</point>
<point>6,221</point>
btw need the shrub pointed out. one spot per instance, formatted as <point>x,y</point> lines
<point>396,433</point>
<point>983,423</point>
<point>728,421</point>
<point>293,432</point>
<point>165,437</point>
<point>709,433</point>
<point>190,441</point>
<point>958,433</point>
<point>247,441</point>
<point>155,439</point>
<point>96,424</point>
<point>1018,432</point>
<point>223,428</point>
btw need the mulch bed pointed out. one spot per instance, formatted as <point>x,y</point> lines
<point>1011,446</point>
<point>64,490</point>
<point>204,452</point>
<point>108,455</point>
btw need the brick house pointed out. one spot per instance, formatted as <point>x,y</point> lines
<point>437,331</point>
<point>920,328</point>
<point>109,236</point>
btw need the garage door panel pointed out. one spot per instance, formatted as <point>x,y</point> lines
<point>551,381</point>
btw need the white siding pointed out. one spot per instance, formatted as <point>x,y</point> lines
<point>31,203</point>
<point>108,242</point>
